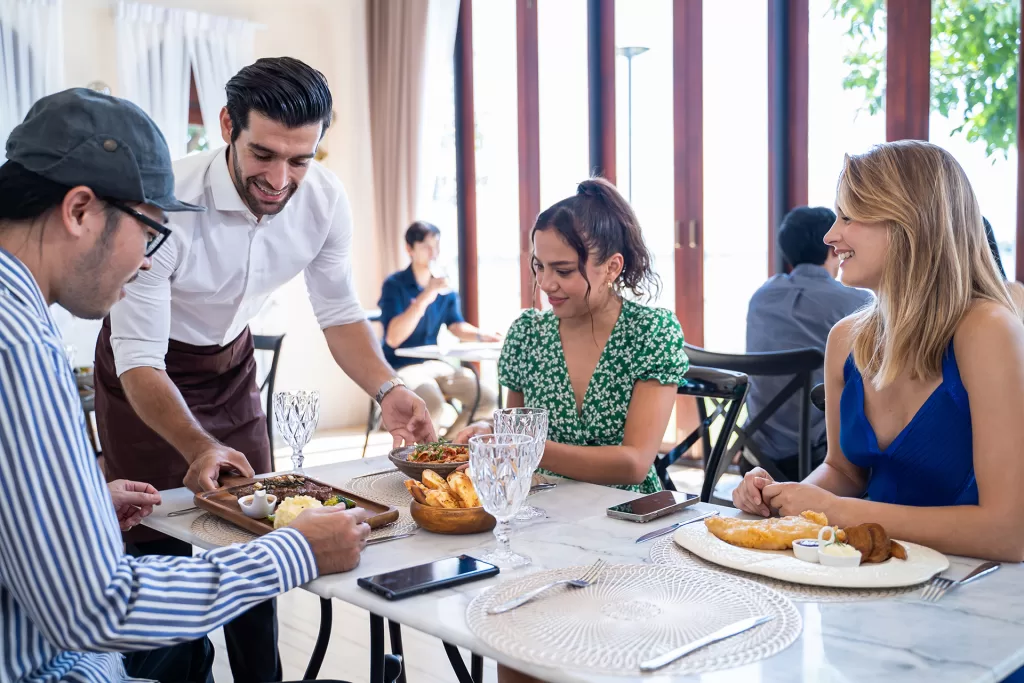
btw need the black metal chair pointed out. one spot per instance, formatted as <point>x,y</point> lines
<point>801,364</point>
<point>271,344</point>
<point>728,390</point>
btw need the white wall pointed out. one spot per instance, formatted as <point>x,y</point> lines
<point>331,36</point>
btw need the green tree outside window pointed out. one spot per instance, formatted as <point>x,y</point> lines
<point>975,46</point>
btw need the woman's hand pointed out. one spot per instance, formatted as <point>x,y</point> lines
<point>475,429</point>
<point>748,495</point>
<point>792,498</point>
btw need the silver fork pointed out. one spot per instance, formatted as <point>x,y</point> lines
<point>939,586</point>
<point>588,578</point>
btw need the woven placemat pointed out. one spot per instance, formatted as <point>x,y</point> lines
<point>665,551</point>
<point>217,531</point>
<point>633,613</point>
<point>385,487</point>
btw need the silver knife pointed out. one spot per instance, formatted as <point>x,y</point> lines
<point>672,527</point>
<point>385,539</point>
<point>721,634</point>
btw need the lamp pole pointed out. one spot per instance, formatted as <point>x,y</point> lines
<point>629,53</point>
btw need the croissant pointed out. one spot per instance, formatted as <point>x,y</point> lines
<point>873,543</point>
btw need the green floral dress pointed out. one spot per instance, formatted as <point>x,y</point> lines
<point>646,344</point>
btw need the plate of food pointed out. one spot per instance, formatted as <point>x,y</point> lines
<point>283,497</point>
<point>448,505</point>
<point>443,457</point>
<point>766,547</point>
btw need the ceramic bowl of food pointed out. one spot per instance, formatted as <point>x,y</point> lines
<point>833,553</point>
<point>441,457</point>
<point>806,549</point>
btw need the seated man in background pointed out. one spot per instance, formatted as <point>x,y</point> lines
<point>796,311</point>
<point>414,304</point>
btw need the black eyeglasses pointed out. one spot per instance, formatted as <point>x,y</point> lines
<point>153,242</point>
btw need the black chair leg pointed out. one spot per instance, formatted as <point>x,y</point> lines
<point>714,463</point>
<point>323,639</point>
<point>376,649</point>
<point>395,631</point>
<point>458,665</point>
<point>476,666</point>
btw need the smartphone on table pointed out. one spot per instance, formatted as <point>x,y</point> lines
<point>653,506</point>
<point>423,578</point>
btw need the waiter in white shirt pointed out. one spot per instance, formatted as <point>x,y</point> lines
<point>176,392</point>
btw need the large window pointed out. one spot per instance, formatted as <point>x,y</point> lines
<point>846,89</point>
<point>644,133</point>
<point>562,97</point>
<point>497,161</point>
<point>974,104</point>
<point>439,204</point>
<point>735,167</point>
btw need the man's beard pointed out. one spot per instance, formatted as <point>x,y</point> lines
<point>257,206</point>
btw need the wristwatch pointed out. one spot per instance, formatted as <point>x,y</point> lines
<point>386,388</point>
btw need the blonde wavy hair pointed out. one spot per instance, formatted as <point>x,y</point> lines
<point>938,262</point>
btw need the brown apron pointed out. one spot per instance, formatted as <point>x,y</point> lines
<point>218,384</point>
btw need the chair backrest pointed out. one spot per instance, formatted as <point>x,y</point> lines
<point>760,364</point>
<point>800,364</point>
<point>725,386</point>
<point>271,343</point>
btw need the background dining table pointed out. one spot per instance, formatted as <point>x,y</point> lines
<point>973,634</point>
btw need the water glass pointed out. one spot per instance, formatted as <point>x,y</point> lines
<point>501,467</point>
<point>296,414</point>
<point>532,422</point>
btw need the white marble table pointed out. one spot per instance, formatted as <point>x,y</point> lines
<point>975,634</point>
<point>466,352</point>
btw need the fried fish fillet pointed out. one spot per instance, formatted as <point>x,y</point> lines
<point>776,533</point>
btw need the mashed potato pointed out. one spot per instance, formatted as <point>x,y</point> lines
<point>290,508</point>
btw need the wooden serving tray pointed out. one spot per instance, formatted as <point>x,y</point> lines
<point>223,502</point>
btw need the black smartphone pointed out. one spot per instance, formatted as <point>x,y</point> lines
<point>424,578</point>
<point>655,505</point>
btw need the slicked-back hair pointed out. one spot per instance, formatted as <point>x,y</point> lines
<point>283,89</point>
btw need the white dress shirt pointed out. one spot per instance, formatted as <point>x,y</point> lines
<point>218,267</point>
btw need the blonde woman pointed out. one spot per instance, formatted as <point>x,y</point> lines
<point>924,388</point>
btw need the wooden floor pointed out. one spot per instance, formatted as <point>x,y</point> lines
<point>348,656</point>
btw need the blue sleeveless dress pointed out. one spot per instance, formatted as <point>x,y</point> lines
<point>931,462</point>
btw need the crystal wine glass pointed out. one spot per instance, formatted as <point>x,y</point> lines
<point>296,414</point>
<point>533,422</point>
<point>501,467</point>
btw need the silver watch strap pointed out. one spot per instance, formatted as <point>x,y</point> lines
<point>387,387</point>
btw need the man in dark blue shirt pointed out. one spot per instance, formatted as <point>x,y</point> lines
<point>414,304</point>
<point>796,311</point>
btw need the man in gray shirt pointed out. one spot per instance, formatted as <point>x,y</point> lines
<point>796,311</point>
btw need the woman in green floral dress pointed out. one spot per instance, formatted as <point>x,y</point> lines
<point>606,368</point>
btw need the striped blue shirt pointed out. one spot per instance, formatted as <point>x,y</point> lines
<point>70,598</point>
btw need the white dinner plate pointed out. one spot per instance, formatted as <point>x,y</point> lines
<point>921,564</point>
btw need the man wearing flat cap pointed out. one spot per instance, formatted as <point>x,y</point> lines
<point>84,199</point>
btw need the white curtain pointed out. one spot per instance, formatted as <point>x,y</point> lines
<point>218,47</point>
<point>153,67</point>
<point>31,58</point>
<point>442,22</point>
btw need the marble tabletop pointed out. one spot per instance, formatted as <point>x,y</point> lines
<point>974,634</point>
<point>469,352</point>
